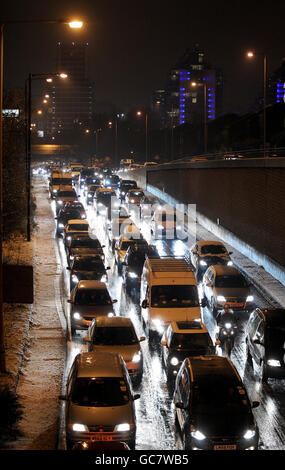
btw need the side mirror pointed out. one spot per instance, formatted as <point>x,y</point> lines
<point>230,252</point>
<point>203,303</point>
<point>62,397</point>
<point>257,341</point>
<point>69,301</point>
<point>217,343</point>
<point>208,284</point>
<point>68,268</point>
<point>55,218</point>
<point>144,304</point>
<point>255,404</point>
<point>87,339</point>
<point>136,397</point>
<point>78,196</point>
<point>179,404</point>
<point>103,246</point>
<point>142,338</point>
<point>114,301</point>
<point>164,343</point>
<point>108,267</point>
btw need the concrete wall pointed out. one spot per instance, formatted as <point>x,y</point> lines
<point>244,199</point>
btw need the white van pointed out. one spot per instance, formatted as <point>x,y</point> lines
<point>168,293</point>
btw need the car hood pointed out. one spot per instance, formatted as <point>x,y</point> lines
<point>104,415</point>
<point>168,315</point>
<point>223,424</point>
<point>241,292</point>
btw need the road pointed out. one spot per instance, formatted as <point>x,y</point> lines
<point>155,417</point>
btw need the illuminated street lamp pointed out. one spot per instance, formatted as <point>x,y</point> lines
<point>250,55</point>
<point>139,114</point>
<point>204,85</point>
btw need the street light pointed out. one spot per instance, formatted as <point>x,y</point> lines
<point>139,114</point>
<point>250,55</point>
<point>204,85</point>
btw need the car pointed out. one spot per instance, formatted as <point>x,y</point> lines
<point>57,179</point>
<point>90,191</point>
<point>204,253</point>
<point>133,197</point>
<point>147,206</point>
<point>84,174</point>
<point>265,342</point>
<point>89,299</point>
<point>132,264</point>
<point>226,284</point>
<point>99,400</point>
<point>65,214</point>
<point>182,339</point>
<point>83,267</point>
<point>124,187</point>
<point>123,243</point>
<point>117,335</point>
<point>163,223</point>
<point>112,181</point>
<point>82,244</point>
<point>212,408</point>
<point>75,226</point>
<point>93,180</point>
<point>117,225</point>
<point>64,194</point>
<point>103,200</point>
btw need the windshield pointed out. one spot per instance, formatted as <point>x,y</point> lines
<point>88,265</point>
<point>230,281</point>
<point>117,336</point>
<point>85,243</point>
<point>82,227</point>
<point>106,194</point>
<point>125,245</point>
<point>101,391</point>
<point>74,214</point>
<point>275,337</point>
<point>174,296</point>
<point>213,250</point>
<point>190,341</point>
<point>92,297</point>
<point>136,194</point>
<point>92,188</point>
<point>65,181</point>
<point>66,194</point>
<point>219,396</point>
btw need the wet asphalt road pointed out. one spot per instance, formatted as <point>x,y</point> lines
<point>155,417</point>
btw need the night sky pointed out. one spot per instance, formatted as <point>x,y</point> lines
<point>133,44</point>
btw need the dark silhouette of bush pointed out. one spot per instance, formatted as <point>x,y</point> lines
<point>10,414</point>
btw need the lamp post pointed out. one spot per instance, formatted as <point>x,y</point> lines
<point>251,55</point>
<point>139,113</point>
<point>72,24</point>
<point>204,85</point>
<point>28,107</point>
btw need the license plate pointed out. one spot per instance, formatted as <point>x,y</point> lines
<point>225,447</point>
<point>101,437</point>
<point>235,304</point>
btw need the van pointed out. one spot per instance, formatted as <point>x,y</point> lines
<point>99,400</point>
<point>57,179</point>
<point>168,293</point>
<point>212,408</point>
<point>265,342</point>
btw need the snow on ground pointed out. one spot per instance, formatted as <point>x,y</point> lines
<point>41,372</point>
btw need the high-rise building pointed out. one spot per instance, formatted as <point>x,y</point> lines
<point>72,99</point>
<point>184,103</point>
<point>276,85</point>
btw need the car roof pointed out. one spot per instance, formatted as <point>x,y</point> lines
<point>218,366</point>
<point>90,284</point>
<point>78,221</point>
<point>109,190</point>
<point>188,327</point>
<point>113,321</point>
<point>225,270</point>
<point>274,317</point>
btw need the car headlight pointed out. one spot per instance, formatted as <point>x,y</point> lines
<point>54,190</point>
<point>74,278</point>
<point>136,357</point>
<point>89,195</point>
<point>174,361</point>
<point>198,435</point>
<point>273,363</point>
<point>221,298</point>
<point>59,202</point>
<point>83,216</point>
<point>132,200</point>
<point>77,316</point>
<point>104,278</point>
<point>79,427</point>
<point>110,315</point>
<point>228,325</point>
<point>122,427</point>
<point>123,194</point>
<point>229,263</point>
<point>250,433</point>
<point>133,275</point>
<point>203,263</point>
<point>250,298</point>
<point>160,227</point>
<point>60,225</point>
